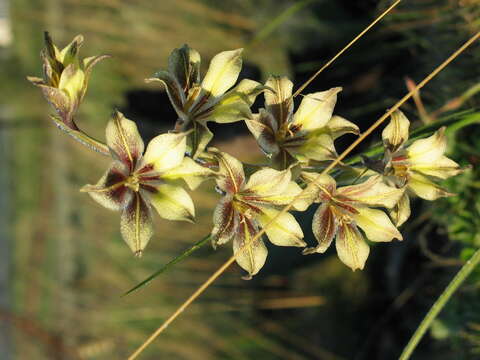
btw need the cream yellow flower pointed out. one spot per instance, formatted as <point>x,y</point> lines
<point>136,181</point>
<point>307,134</point>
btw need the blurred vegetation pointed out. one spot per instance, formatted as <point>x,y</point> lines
<point>71,267</point>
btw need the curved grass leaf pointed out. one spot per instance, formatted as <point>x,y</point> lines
<point>167,266</point>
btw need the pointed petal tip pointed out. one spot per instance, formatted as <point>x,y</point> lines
<point>309,251</point>
<point>138,254</point>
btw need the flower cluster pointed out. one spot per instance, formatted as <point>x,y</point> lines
<point>140,182</point>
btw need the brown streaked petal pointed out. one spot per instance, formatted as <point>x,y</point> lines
<point>279,102</point>
<point>232,177</point>
<point>340,126</point>
<point>136,224</point>
<point>284,230</point>
<point>60,101</point>
<point>324,186</point>
<point>376,225</point>
<point>184,64</point>
<point>263,127</point>
<point>396,132</point>
<point>198,140</point>
<point>352,249</point>
<point>225,221</point>
<point>401,212</point>
<point>372,192</point>
<point>174,90</point>
<point>110,191</point>
<point>250,255</point>
<point>124,140</point>
<point>324,226</point>
<point>316,109</point>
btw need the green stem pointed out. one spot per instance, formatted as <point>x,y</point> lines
<point>83,138</point>
<point>439,304</point>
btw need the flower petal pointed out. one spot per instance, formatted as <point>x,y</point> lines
<point>428,150</point>
<point>324,226</point>
<point>136,224</point>
<point>376,225</point>
<point>184,64</point>
<point>232,177</point>
<point>225,222</point>
<point>72,81</point>
<point>318,145</point>
<point>340,126</point>
<point>110,191</point>
<point>174,90</point>
<point>425,188</point>
<point>250,255</point>
<point>441,168</point>
<point>279,101</point>
<point>124,140</point>
<point>396,132</point>
<point>323,187</point>
<point>352,250</point>
<point>316,109</point>
<point>172,203</point>
<point>372,192</point>
<point>226,112</point>
<point>246,90</point>
<point>263,127</point>
<point>166,151</point>
<point>223,72</point>
<point>190,171</point>
<point>59,100</point>
<point>401,212</point>
<point>284,230</point>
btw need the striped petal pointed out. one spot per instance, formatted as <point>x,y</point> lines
<point>231,176</point>
<point>278,100</point>
<point>223,72</point>
<point>124,140</point>
<point>225,222</point>
<point>136,224</point>
<point>110,191</point>
<point>284,230</point>
<point>372,192</point>
<point>352,250</point>
<point>184,64</point>
<point>376,225</point>
<point>441,168</point>
<point>324,226</point>
<point>250,255</point>
<point>263,127</point>
<point>316,109</point>
<point>174,90</point>
<point>396,132</point>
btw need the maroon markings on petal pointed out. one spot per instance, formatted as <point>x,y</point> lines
<point>149,188</point>
<point>136,224</point>
<point>324,226</point>
<point>225,222</point>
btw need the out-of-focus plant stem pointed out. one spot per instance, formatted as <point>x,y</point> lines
<point>442,300</point>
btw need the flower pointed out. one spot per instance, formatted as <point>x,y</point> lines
<point>248,206</point>
<point>197,102</point>
<point>344,210</point>
<point>415,167</point>
<point>307,134</point>
<point>135,183</point>
<point>66,77</point>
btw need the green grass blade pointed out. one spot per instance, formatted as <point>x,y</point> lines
<point>168,265</point>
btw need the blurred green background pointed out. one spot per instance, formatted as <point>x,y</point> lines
<point>64,266</point>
